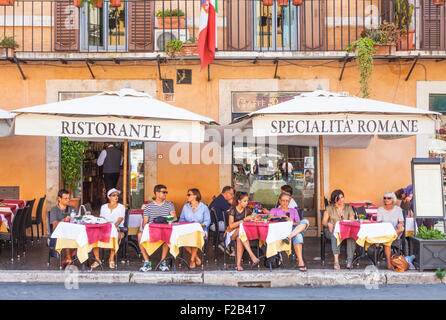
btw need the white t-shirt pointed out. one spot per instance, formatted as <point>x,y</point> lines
<point>113,216</point>
<point>393,216</point>
<point>293,204</point>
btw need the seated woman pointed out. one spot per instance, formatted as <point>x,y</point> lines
<point>338,210</point>
<point>195,211</point>
<point>113,212</point>
<point>299,226</point>
<point>390,212</point>
<point>239,213</point>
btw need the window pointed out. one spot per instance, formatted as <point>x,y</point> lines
<point>104,29</point>
<point>437,103</point>
<point>275,27</point>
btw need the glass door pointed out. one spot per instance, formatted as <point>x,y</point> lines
<point>276,27</point>
<point>103,29</point>
<point>136,174</point>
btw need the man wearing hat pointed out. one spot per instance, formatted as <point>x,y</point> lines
<point>111,160</point>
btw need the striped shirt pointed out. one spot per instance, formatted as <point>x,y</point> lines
<point>154,210</point>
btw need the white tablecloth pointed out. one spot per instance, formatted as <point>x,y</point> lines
<point>411,226</point>
<point>370,233</point>
<point>178,230</point>
<point>78,234</point>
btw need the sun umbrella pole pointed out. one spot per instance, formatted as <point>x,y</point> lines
<point>321,178</point>
<point>124,182</point>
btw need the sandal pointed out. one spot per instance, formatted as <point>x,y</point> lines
<point>192,265</point>
<point>254,264</point>
<point>112,265</point>
<point>95,265</point>
<point>337,266</point>
<point>302,268</point>
<point>239,268</point>
<point>286,240</point>
<point>198,261</point>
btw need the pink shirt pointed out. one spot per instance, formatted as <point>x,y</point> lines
<point>277,212</point>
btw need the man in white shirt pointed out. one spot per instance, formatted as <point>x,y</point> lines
<point>111,161</point>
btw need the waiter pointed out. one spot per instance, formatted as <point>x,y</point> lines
<point>111,160</point>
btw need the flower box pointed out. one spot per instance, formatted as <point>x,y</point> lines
<point>439,2</point>
<point>6,52</point>
<point>403,42</point>
<point>190,49</point>
<point>171,22</point>
<point>384,49</point>
<point>429,254</point>
<point>6,2</point>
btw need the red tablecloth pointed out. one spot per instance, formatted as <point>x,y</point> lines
<point>8,215</point>
<point>350,229</point>
<point>256,230</point>
<point>98,232</point>
<point>20,203</point>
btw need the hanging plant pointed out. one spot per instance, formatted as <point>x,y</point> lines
<point>297,2</point>
<point>365,62</point>
<point>72,155</point>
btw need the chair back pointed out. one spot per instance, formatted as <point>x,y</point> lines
<point>50,226</point>
<point>360,211</point>
<point>26,217</point>
<point>214,220</point>
<point>16,223</point>
<point>126,218</point>
<point>30,203</point>
<point>301,213</point>
<point>40,209</point>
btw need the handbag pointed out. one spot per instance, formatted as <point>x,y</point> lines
<point>160,220</point>
<point>399,263</point>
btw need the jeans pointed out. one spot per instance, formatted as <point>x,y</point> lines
<point>351,246</point>
<point>300,237</point>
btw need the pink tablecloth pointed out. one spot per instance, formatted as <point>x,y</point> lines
<point>256,230</point>
<point>98,232</point>
<point>20,203</point>
<point>349,229</point>
<point>8,215</point>
<point>160,232</point>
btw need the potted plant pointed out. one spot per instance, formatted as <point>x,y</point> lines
<point>439,2</point>
<point>9,45</point>
<point>388,37</point>
<point>6,2</point>
<point>282,2</point>
<point>95,3</point>
<point>403,17</point>
<point>170,19</point>
<point>115,3</point>
<point>429,248</point>
<point>190,47</point>
<point>365,49</point>
<point>297,2</point>
<point>173,46</point>
<point>72,156</point>
<point>268,2</point>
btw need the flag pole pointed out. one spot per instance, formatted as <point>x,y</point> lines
<point>124,182</point>
<point>321,181</point>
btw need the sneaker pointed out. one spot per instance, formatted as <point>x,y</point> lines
<point>221,247</point>
<point>147,266</point>
<point>163,266</point>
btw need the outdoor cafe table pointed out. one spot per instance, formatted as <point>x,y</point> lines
<point>7,212</point>
<point>20,203</point>
<point>76,236</point>
<point>3,227</point>
<point>176,235</point>
<point>135,221</point>
<point>365,234</point>
<point>271,233</point>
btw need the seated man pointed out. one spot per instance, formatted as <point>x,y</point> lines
<point>61,213</point>
<point>157,208</point>
<point>221,205</point>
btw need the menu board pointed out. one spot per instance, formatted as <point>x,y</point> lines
<point>428,188</point>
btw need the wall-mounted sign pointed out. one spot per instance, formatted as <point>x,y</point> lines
<point>243,102</point>
<point>341,124</point>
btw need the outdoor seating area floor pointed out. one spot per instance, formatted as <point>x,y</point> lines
<point>36,258</point>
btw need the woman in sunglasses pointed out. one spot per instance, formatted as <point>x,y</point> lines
<point>390,212</point>
<point>195,211</point>
<point>113,212</point>
<point>338,210</point>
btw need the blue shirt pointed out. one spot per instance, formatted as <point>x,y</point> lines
<point>408,191</point>
<point>200,215</point>
<point>221,206</point>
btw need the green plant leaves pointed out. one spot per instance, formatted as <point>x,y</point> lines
<point>365,62</point>
<point>430,234</point>
<point>72,155</point>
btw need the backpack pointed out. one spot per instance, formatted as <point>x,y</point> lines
<point>160,220</point>
<point>274,261</point>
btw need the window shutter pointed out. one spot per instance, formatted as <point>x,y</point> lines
<point>433,26</point>
<point>66,26</point>
<point>141,25</point>
<point>313,25</point>
<point>239,24</point>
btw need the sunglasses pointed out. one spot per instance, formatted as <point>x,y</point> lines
<point>190,194</point>
<point>114,195</point>
<point>385,198</point>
